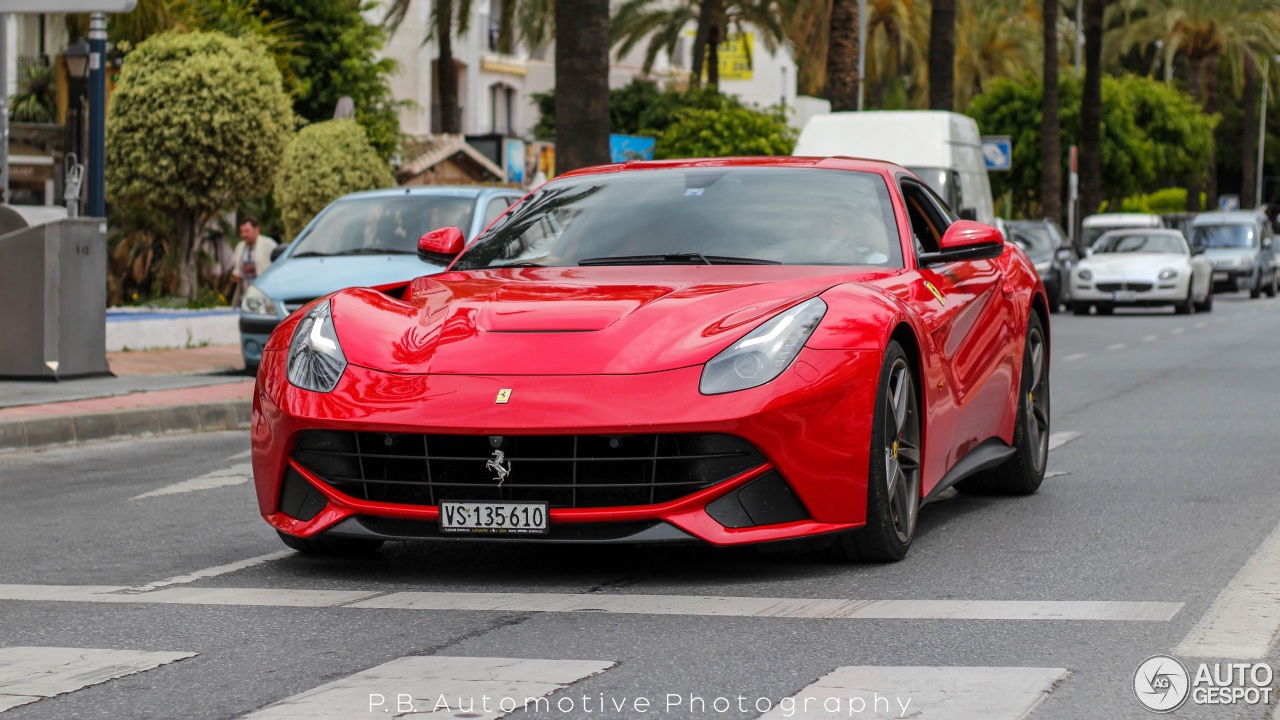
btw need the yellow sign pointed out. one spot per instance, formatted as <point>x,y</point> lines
<point>736,53</point>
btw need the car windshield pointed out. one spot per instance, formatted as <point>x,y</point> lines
<point>766,215</point>
<point>382,225</point>
<point>1033,238</point>
<point>1223,236</point>
<point>1141,243</point>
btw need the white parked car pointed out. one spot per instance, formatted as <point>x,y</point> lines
<point>1142,268</point>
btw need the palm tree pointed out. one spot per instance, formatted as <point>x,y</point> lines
<point>1091,111</point>
<point>1050,133</point>
<point>441,30</point>
<point>993,38</point>
<point>897,46</point>
<point>582,83</point>
<point>1204,32</point>
<point>662,24</point>
<point>842,56</point>
<point>942,54</point>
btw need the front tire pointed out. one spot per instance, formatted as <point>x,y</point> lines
<point>1207,305</point>
<point>1271,289</point>
<point>1188,306</point>
<point>329,545</point>
<point>1023,473</point>
<point>1079,308</point>
<point>893,479</point>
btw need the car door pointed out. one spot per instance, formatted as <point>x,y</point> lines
<point>968,314</point>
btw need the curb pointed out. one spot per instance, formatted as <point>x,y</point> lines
<point>65,430</point>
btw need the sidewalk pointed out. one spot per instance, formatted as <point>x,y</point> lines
<point>153,392</point>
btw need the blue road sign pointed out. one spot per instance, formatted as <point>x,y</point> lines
<point>997,150</point>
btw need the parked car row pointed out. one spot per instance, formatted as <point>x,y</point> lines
<point>1137,260</point>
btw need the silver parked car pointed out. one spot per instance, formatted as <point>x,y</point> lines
<point>1240,246</point>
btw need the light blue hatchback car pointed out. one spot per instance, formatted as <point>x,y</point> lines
<point>360,240</point>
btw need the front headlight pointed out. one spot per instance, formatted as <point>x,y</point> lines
<point>765,352</point>
<point>1168,274</point>
<point>1086,274</point>
<point>316,360</point>
<point>256,302</point>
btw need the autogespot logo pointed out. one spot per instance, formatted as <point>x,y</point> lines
<point>1161,683</point>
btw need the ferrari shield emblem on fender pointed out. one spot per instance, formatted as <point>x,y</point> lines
<point>936,293</point>
<point>503,396</point>
<point>500,466</point>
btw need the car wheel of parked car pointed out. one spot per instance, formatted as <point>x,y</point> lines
<point>1105,309</point>
<point>1079,308</point>
<point>330,545</point>
<point>893,482</point>
<point>1255,292</point>
<point>1207,304</point>
<point>1271,289</point>
<point>1023,473</point>
<point>1188,306</point>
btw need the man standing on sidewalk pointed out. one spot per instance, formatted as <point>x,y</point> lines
<point>251,258</point>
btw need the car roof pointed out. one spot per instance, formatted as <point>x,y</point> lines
<point>833,163</point>
<point>1143,231</point>
<point>1230,217</point>
<point>428,190</point>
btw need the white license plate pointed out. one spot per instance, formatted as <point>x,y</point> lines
<point>1221,276</point>
<point>500,518</point>
<point>1123,296</point>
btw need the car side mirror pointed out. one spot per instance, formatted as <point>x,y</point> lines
<point>968,213</point>
<point>277,251</point>
<point>1199,250</point>
<point>1064,254</point>
<point>966,240</point>
<point>1266,243</point>
<point>441,246</point>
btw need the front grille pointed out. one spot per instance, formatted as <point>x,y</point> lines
<point>1117,286</point>
<point>566,471</point>
<point>292,306</point>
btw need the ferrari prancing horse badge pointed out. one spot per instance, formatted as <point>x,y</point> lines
<point>935,292</point>
<point>503,396</point>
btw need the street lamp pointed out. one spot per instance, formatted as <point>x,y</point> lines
<point>76,58</point>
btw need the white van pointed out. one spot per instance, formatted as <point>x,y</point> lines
<point>943,148</point>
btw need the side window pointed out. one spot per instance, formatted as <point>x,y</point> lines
<point>496,207</point>
<point>926,214</point>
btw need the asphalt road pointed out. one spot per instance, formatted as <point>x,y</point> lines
<point>1168,491</point>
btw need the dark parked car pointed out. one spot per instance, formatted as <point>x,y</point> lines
<point>1048,247</point>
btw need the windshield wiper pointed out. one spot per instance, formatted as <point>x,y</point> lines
<point>522,264</point>
<point>310,253</point>
<point>677,259</point>
<point>377,251</point>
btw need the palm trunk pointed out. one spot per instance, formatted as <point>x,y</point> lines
<point>942,55</point>
<point>1050,134</point>
<point>582,83</point>
<point>714,38</point>
<point>1195,75</point>
<point>1249,149</point>
<point>446,73</point>
<point>1210,107</point>
<point>842,56</point>
<point>706,9</point>
<point>1091,112</point>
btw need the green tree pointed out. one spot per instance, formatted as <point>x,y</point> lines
<point>726,132</point>
<point>447,17</point>
<point>36,100</point>
<point>198,122</point>
<point>337,56</point>
<point>324,162</point>
<point>639,108</point>
<point>1151,132</point>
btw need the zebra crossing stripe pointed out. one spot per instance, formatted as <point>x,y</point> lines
<point>477,688</point>
<point>28,674</point>
<point>922,693</point>
<point>234,475</point>
<point>1244,620</point>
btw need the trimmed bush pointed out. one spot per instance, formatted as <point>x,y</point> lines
<point>324,162</point>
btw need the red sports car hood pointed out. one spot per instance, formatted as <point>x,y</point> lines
<point>570,321</point>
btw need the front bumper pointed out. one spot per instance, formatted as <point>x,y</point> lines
<point>1134,293</point>
<point>811,425</point>
<point>254,331</point>
<point>1230,279</point>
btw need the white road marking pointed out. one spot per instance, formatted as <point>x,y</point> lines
<point>234,475</point>
<point>1055,473</point>
<point>1058,439</point>
<point>1200,325</point>
<point>1243,621</point>
<point>1177,331</point>
<point>213,571</point>
<point>1073,358</point>
<point>28,674</point>
<point>479,688</point>
<point>692,605</point>
<point>1118,346</point>
<point>240,455</point>
<point>923,693</point>
<point>1150,338</point>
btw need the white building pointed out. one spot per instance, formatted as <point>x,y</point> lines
<point>496,91</point>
